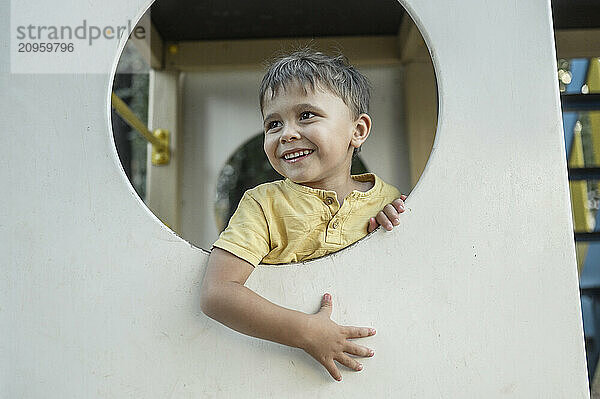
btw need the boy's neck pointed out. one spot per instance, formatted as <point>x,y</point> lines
<point>342,186</point>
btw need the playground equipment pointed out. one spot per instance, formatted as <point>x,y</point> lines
<point>473,295</point>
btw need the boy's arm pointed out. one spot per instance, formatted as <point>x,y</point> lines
<point>225,299</point>
<point>389,216</point>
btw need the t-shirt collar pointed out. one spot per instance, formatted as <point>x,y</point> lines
<point>326,193</point>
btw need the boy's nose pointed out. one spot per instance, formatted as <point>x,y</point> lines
<point>289,133</point>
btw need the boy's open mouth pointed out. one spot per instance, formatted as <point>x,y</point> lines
<point>297,155</point>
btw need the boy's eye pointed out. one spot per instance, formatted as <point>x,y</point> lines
<point>272,125</point>
<point>306,115</point>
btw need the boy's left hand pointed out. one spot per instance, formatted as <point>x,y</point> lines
<point>388,217</point>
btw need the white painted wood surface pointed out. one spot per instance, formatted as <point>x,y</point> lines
<point>474,295</point>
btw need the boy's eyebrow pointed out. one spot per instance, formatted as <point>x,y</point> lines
<point>296,108</point>
<point>269,117</point>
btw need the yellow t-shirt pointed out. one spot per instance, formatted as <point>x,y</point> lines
<point>283,222</point>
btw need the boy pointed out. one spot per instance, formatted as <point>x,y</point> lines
<point>315,120</point>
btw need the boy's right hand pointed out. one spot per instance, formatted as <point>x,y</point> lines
<point>389,216</point>
<point>327,341</point>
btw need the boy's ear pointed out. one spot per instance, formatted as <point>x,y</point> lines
<point>362,128</point>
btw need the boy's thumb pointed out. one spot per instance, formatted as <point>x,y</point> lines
<point>373,224</point>
<point>326,304</point>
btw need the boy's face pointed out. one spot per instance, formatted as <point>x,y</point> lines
<point>309,138</point>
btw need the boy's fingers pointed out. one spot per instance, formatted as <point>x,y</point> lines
<point>358,350</point>
<point>358,332</point>
<point>392,214</point>
<point>372,225</point>
<point>326,305</point>
<point>403,197</point>
<point>349,362</point>
<point>383,220</point>
<point>398,204</point>
<point>333,370</point>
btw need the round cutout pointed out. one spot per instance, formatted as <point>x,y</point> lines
<point>198,79</point>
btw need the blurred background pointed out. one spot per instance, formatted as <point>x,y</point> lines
<point>193,87</point>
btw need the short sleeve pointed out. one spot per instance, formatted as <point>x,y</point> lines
<point>247,234</point>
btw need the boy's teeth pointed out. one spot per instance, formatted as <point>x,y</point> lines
<point>297,154</point>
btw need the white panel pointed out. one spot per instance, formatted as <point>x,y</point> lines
<point>474,295</point>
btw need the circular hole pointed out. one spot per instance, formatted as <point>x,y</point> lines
<point>197,76</point>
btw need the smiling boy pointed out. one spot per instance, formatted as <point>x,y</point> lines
<point>315,120</point>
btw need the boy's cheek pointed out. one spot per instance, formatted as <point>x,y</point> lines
<point>270,155</point>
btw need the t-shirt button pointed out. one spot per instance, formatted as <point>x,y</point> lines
<point>335,225</point>
<point>329,200</point>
